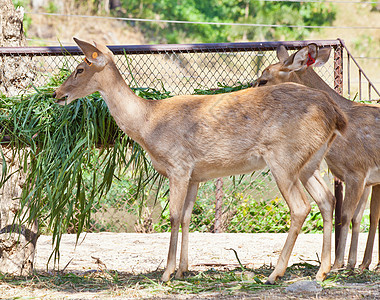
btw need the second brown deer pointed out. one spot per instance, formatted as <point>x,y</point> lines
<point>195,138</point>
<point>354,157</point>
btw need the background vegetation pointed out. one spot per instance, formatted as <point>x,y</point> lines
<point>216,11</point>
<point>225,11</point>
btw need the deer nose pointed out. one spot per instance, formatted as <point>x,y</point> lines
<point>54,94</point>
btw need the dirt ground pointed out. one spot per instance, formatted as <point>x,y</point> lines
<point>143,253</point>
<point>140,253</point>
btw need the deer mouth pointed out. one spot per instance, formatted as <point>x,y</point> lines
<point>61,100</point>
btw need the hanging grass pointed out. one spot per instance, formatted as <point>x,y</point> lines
<point>61,148</point>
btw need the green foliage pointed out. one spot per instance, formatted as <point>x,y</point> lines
<point>222,88</point>
<point>277,13</point>
<point>59,143</point>
<point>259,216</point>
<point>242,213</point>
<point>225,11</point>
<point>51,7</point>
<point>364,226</point>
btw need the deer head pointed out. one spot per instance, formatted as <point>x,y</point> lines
<point>87,76</point>
<point>285,70</point>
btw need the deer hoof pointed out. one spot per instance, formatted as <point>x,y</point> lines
<point>337,266</point>
<point>271,279</point>
<point>165,277</point>
<point>321,276</point>
<point>180,274</point>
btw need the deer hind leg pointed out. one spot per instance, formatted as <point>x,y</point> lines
<point>356,220</point>
<point>291,189</point>
<point>318,190</point>
<point>374,220</point>
<point>186,216</point>
<point>178,192</point>
<point>354,190</point>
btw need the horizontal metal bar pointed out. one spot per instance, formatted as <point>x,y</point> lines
<point>173,48</point>
<point>39,51</point>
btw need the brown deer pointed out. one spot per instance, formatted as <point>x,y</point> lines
<point>353,157</point>
<point>195,138</point>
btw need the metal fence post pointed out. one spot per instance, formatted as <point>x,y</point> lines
<point>218,227</point>
<point>338,186</point>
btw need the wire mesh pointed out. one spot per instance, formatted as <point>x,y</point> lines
<point>251,203</point>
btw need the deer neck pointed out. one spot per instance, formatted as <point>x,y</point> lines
<point>129,111</point>
<point>311,79</point>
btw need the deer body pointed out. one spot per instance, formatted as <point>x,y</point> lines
<point>187,127</point>
<point>354,157</point>
<point>195,138</point>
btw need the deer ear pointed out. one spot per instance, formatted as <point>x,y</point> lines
<point>322,57</point>
<point>282,53</point>
<point>92,53</point>
<point>297,61</point>
<point>313,51</point>
<point>102,47</point>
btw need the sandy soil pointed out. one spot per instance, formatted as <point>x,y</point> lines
<point>143,253</point>
<point>139,253</point>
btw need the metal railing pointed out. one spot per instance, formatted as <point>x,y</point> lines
<point>182,69</point>
<point>177,68</point>
<point>357,93</point>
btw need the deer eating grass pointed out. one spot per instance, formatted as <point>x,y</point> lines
<point>353,157</point>
<point>194,138</point>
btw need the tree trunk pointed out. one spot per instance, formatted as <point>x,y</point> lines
<point>16,73</point>
<point>17,242</point>
<point>107,6</point>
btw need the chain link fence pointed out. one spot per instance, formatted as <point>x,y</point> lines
<point>246,203</point>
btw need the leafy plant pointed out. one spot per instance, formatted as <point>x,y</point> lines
<point>314,221</point>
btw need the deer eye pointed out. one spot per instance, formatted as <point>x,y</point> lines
<point>79,71</point>
<point>263,82</point>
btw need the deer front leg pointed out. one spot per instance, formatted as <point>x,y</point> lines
<point>318,190</point>
<point>186,217</point>
<point>354,190</point>
<point>178,192</point>
<point>291,189</point>
<point>356,220</point>
<point>374,221</point>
